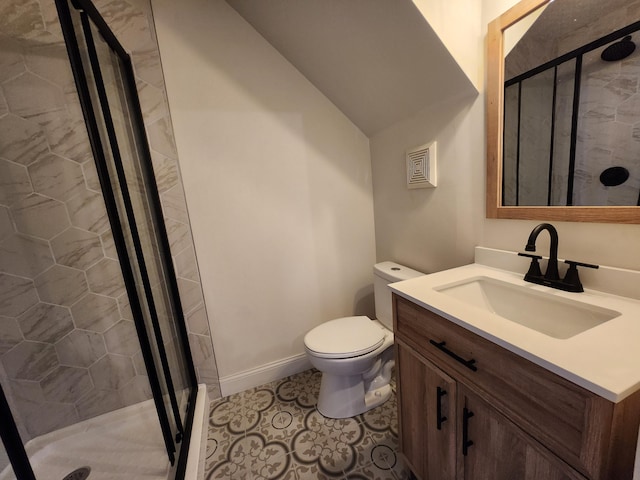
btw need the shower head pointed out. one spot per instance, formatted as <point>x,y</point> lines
<point>619,50</point>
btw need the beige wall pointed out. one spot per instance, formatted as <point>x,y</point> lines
<point>278,185</point>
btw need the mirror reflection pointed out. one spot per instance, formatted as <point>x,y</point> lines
<point>571,132</point>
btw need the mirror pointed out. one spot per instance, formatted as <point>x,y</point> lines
<point>553,155</point>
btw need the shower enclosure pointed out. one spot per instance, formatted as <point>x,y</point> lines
<point>96,361</point>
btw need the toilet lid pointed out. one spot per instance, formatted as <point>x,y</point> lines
<point>345,337</point>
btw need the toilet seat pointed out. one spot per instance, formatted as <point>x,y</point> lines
<point>345,337</point>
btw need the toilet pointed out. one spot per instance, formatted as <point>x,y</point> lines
<point>354,354</point>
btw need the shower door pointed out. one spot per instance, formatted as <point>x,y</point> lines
<point>106,85</point>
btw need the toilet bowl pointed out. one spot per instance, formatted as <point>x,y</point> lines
<point>355,354</point>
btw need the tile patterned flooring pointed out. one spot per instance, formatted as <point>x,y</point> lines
<point>275,432</point>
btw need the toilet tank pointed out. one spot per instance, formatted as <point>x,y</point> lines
<point>385,273</point>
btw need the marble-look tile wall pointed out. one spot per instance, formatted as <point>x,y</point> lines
<point>609,112</point>
<point>68,347</point>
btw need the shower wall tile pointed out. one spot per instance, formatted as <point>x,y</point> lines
<point>10,334</point>
<point>24,256</point>
<point>46,323</point>
<point>28,95</point>
<point>96,313</point>
<point>179,236</point>
<point>197,321</point>
<point>4,108</point>
<point>112,372</point>
<point>105,278</point>
<point>17,295</point>
<point>122,338</point>
<point>66,133</point>
<point>30,361</point>
<point>38,420</point>
<point>77,248</point>
<point>20,18</point>
<point>6,225</point>
<point>200,348</point>
<point>91,180</point>
<point>165,170</point>
<point>80,348</point>
<point>61,285</point>
<point>56,177</point>
<point>87,211</point>
<point>50,17</point>
<point>136,391</point>
<point>11,58</point>
<point>97,402</point>
<point>129,24</point>
<point>146,63</point>
<point>21,141</point>
<point>174,205</point>
<point>190,295</point>
<point>66,384</point>
<point>14,183</point>
<point>40,216</point>
<point>50,60</point>
<point>186,264</point>
<point>125,307</point>
<point>152,100</point>
<point>161,139</point>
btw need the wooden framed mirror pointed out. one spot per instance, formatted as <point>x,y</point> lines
<point>613,212</point>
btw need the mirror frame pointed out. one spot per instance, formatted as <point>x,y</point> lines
<point>495,107</point>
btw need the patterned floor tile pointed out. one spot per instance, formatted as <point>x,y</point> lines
<point>275,432</point>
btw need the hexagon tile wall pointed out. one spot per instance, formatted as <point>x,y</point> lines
<point>68,347</point>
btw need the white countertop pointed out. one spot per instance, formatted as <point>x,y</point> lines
<point>604,359</point>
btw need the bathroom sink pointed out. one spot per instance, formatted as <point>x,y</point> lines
<point>546,313</point>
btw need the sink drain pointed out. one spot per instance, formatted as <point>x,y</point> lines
<point>79,474</point>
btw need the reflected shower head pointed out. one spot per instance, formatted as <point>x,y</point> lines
<point>619,50</point>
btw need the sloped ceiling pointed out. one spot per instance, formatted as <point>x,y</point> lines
<point>378,61</point>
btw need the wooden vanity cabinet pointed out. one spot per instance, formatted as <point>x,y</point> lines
<point>428,407</point>
<point>517,419</point>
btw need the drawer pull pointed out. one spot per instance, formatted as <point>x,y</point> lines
<point>466,443</point>
<point>470,364</point>
<point>440,419</point>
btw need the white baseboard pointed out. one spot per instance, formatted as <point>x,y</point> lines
<point>263,374</point>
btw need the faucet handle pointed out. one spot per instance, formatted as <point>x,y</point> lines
<point>573,263</point>
<point>534,268</point>
<point>572,279</point>
<point>530,255</point>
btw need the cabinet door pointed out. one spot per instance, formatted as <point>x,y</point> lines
<point>491,447</point>
<point>426,405</point>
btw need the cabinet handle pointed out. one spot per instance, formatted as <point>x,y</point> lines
<point>440,419</point>
<point>470,364</point>
<point>466,443</point>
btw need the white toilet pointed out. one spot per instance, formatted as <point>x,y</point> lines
<point>354,354</point>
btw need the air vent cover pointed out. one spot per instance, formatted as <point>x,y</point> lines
<point>421,166</point>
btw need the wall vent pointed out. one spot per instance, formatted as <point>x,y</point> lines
<point>421,166</point>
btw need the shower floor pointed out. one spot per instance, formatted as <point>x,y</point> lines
<point>123,444</point>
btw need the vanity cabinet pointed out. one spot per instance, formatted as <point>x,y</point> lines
<point>506,417</point>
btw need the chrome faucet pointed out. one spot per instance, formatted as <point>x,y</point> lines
<point>551,278</point>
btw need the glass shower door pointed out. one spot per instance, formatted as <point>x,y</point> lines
<point>106,85</point>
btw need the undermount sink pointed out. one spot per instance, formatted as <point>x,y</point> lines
<point>551,315</point>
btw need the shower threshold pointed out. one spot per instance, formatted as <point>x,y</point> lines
<point>123,444</point>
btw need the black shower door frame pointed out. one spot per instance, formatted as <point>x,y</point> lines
<point>87,11</point>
